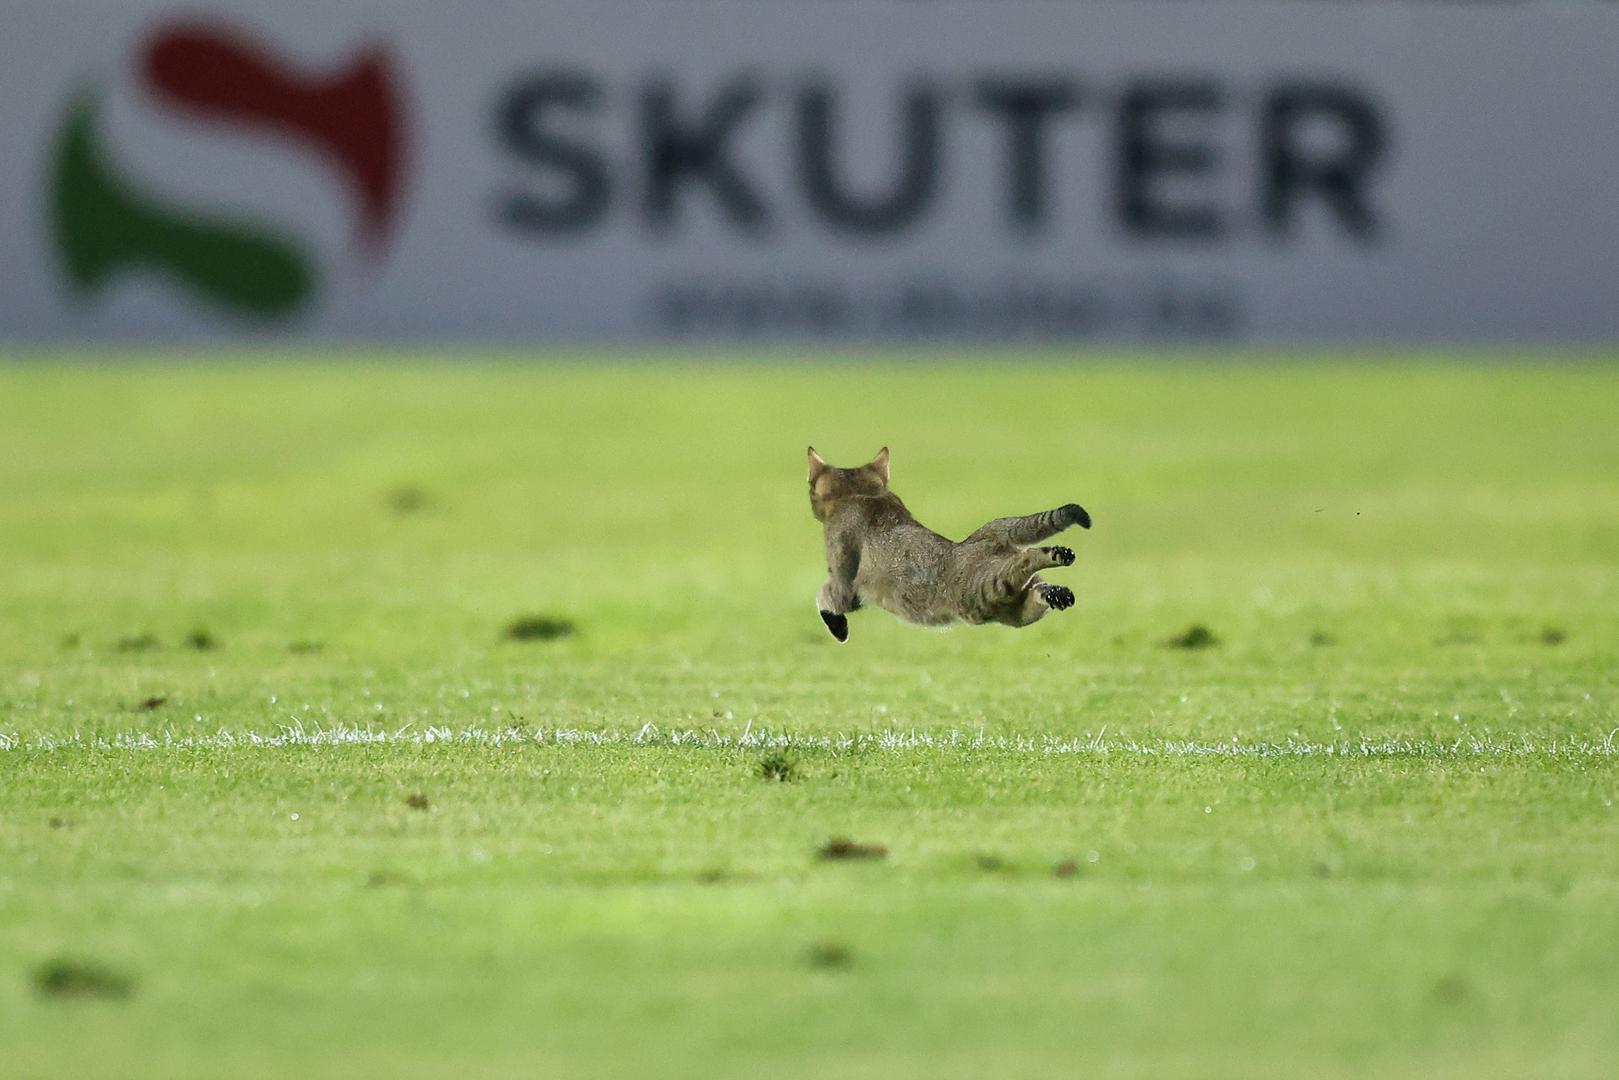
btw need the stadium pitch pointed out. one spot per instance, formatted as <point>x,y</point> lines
<point>400,718</point>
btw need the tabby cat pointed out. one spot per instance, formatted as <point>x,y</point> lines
<point>877,553</point>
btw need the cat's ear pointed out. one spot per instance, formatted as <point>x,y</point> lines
<point>879,464</point>
<point>817,464</point>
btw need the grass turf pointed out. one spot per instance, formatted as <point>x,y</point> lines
<point>1370,829</point>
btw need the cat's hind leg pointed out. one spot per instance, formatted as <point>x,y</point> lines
<point>1008,581</point>
<point>1030,598</point>
<point>1020,568</point>
<point>1055,597</point>
<point>1059,556</point>
<point>1036,602</point>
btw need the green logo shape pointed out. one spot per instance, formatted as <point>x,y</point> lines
<point>103,227</point>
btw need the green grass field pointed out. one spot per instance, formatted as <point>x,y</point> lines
<point>280,797</point>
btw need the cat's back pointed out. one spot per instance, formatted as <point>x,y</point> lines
<point>885,524</point>
<point>905,567</point>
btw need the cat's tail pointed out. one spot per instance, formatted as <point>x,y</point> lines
<point>1033,528</point>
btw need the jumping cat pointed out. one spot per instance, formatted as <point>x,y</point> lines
<point>877,553</point>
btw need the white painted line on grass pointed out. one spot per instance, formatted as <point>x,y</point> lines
<point>1098,745</point>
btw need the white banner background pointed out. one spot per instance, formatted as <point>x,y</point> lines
<point>1496,197</point>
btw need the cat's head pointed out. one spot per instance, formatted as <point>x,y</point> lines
<point>828,483</point>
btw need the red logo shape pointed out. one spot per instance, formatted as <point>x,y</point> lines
<point>353,119</point>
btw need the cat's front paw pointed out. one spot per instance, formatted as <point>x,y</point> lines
<point>839,624</point>
<point>1061,556</point>
<point>1076,515</point>
<point>1057,597</point>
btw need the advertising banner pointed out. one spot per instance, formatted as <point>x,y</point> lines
<point>699,171</point>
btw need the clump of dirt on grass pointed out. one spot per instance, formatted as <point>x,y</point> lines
<point>381,879</point>
<point>70,641</point>
<point>1553,635</point>
<point>777,766</point>
<point>418,801</point>
<point>1320,638</point>
<point>841,847</point>
<point>990,863</point>
<point>1461,631</point>
<point>1450,990</point>
<point>539,628</point>
<point>1068,868</point>
<point>410,499</point>
<point>829,954</point>
<point>64,977</point>
<point>138,643</point>
<point>153,702</point>
<point>201,640</point>
<point>1196,636</point>
<point>306,648</point>
<point>61,823</point>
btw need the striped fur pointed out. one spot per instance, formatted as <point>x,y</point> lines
<point>877,554</point>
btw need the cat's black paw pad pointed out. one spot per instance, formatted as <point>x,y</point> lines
<point>839,624</point>
<point>1061,556</point>
<point>1057,597</point>
<point>1077,515</point>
